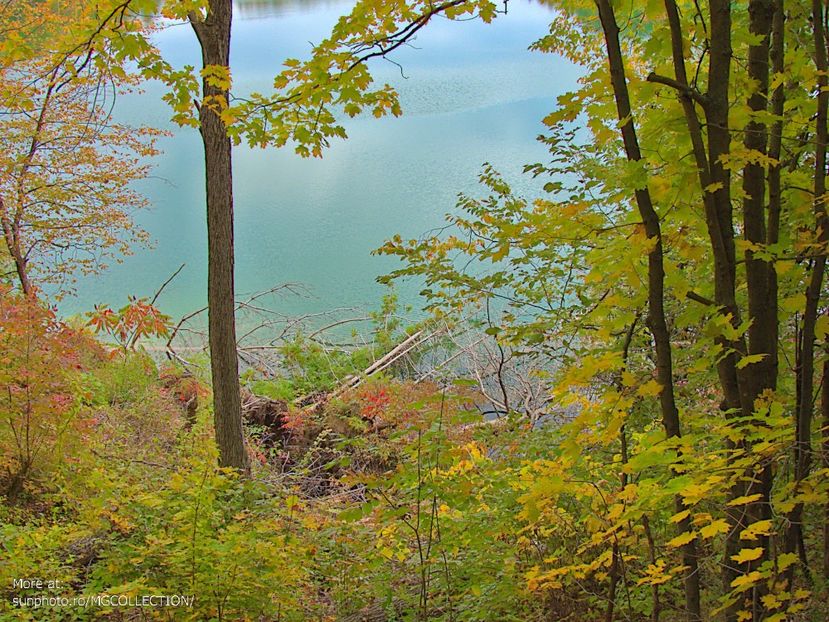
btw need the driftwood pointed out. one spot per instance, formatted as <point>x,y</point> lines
<point>411,343</point>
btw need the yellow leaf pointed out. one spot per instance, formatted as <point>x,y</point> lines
<point>748,555</point>
<point>655,574</point>
<point>776,80</point>
<point>794,303</point>
<point>682,539</point>
<point>748,360</point>
<point>694,493</point>
<point>783,267</point>
<point>650,389</point>
<point>785,560</point>
<point>822,327</point>
<point>679,516</point>
<point>745,581</point>
<point>744,500</point>
<point>760,528</point>
<point>718,526</point>
<point>770,601</point>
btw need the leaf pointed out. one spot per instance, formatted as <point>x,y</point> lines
<point>650,389</point>
<point>357,512</point>
<point>822,327</point>
<point>745,581</point>
<point>694,493</point>
<point>682,539</point>
<point>794,304</point>
<point>679,516</point>
<point>748,555</point>
<point>744,500</point>
<point>753,531</point>
<point>750,359</point>
<point>784,560</point>
<point>717,527</point>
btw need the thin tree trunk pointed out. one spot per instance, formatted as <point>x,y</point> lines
<point>656,285</point>
<point>623,476</point>
<point>12,225</point>
<point>824,407</point>
<point>778,100</point>
<point>214,37</point>
<point>762,307</point>
<point>656,606</point>
<point>806,362</point>
<point>11,236</point>
<point>737,387</point>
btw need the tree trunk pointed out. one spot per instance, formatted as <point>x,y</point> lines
<point>762,308</point>
<point>824,407</point>
<point>11,235</point>
<point>213,33</point>
<point>657,322</point>
<point>806,359</point>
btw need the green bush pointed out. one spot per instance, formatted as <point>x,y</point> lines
<point>209,534</point>
<point>124,379</point>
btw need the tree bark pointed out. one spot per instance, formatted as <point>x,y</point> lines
<point>824,407</point>
<point>762,333</point>
<point>213,33</point>
<point>12,224</point>
<point>762,307</point>
<point>806,359</point>
<point>656,287</point>
<point>11,235</point>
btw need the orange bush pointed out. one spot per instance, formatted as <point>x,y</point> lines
<point>38,357</point>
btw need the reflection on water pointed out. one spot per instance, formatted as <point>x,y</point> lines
<point>473,94</point>
<point>251,9</point>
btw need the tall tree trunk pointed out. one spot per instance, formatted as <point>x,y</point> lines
<point>806,362</point>
<point>762,307</point>
<point>737,391</point>
<point>824,407</point>
<point>213,33</point>
<point>656,287</point>
<point>762,333</point>
<point>777,52</point>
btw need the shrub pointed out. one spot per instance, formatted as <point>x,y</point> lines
<point>206,532</point>
<point>39,363</point>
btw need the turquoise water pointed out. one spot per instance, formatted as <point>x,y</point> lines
<point>473,93</point>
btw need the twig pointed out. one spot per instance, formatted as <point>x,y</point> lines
<point>166,283</point>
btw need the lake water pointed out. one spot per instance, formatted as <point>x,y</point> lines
<point>473,93</point>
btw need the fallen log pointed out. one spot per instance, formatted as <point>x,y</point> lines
<point>411,343</point>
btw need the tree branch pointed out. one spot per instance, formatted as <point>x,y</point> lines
<point>684,89</point>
